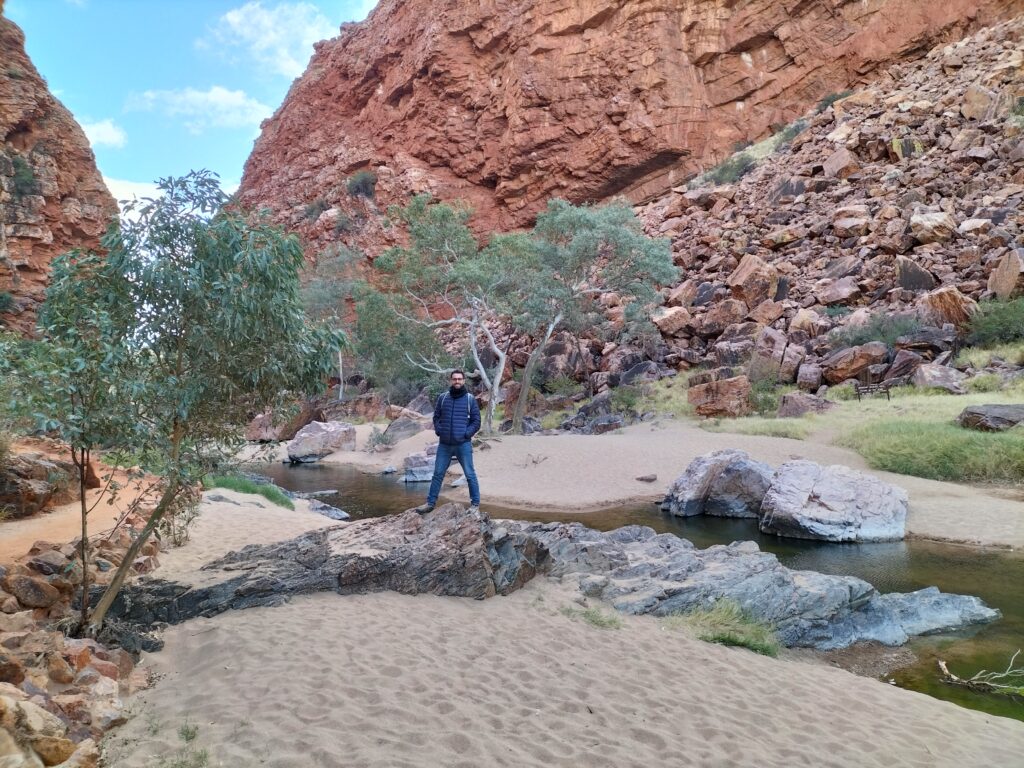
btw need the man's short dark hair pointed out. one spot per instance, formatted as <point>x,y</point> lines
<point>458,371</point>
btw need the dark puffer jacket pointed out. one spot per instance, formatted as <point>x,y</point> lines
<point>456,419</point>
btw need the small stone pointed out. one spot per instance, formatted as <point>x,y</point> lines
<point>32,593</point>
<point>58,669</point>
<point>647,478</point>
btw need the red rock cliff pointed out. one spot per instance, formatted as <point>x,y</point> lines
<point>506,104</point>
<point>52,197</point>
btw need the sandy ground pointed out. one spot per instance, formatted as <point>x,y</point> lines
<point>582,472</point>
<point>388,680</point>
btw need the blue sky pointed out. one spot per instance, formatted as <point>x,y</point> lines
<point>162,87</point>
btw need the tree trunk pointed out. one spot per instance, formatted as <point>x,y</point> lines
<point>116,583</point>
<point>531,365</point>
<point>80,458</point>
<point>341,377</point>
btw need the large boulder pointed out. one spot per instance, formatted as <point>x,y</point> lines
<point>670,320</point>
<point>753,281</point>
<point>991,418</point>
<point>796,404</point>
<point>1007,280</point>
<point>30,482</point>
<point>724,484</point>
<point>851,362</point>
<point>932,227</point>
<point>935,376</point>
<point>403,427</point>
<point>419,467</point>
<point>810,501</point>
<point>321,438</point>
<point>725,397</point>
<point>31,592</point>
<point>948,305</point>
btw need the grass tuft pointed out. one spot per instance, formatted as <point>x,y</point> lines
<point>728,624</point>
<point>940,450</point>
<point>981,357</point>
<point>880,327</point>
<point>666,397</point>
<point>997,322</point>
<point>243,485</point>
<point>593,616</point>
<point>794,429</point>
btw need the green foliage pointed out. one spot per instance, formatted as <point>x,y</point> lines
<point>981,357</point>
<point>997,322</point>
<point>24,177</point>
<point>187,731</point>
<point>5,449</point>
<point>727,623</point>
<point>985,382</point>
<point>342,223</point>
<point>940,451</point>
<point>379,439</point>
<point>880,327</point>
<point>594,616</point>
<point>829,100</point>
<point>730,170</point>
<point>837,311</point>
<point>561,385</point>
<point>1018,107</point>
<point>6,301</point>
<point>244,485</point>
<point>362,184</point>
<point>314,209</point>
<point>790,132</point>
<point>625,399</point>
<point>764,393</point>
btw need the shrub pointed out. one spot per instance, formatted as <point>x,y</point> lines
<point>594,616</point>
<point>789,133</point>
<point>978,357</point>
<point>731,169</point>
<point>5,450</point>
<point>553,419</point>
<point>985,382</point>
<point>829,100</point>
<point>764,391</point>
<point>880,327</point>
<point>561,385</point>
<point>940,451</point>
<point>342,223</point>
<point>379,439</point>
<point>837,311</point>
<point>362,184</point>
<point>315,208</point>
<point>244,485</point>
<point>728,624</point>
<point>6,301</point>
<point>1018,107</point>
<point>625,399</point>
<point>24,177</point>
<point>997,322</point>
<point>667,397</point>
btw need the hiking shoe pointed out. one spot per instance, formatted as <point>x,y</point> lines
<point>424,508</point>
<point>473,509</point>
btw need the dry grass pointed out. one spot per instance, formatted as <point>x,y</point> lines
<point>666,397</point>
<point>795,429</point>
<point>978,357</point>
<point>594,616</point>
<point>727,624</point>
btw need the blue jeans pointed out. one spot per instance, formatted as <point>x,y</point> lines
<point>463,452</point>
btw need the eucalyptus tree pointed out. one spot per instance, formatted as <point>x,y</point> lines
<point>214,329</point>
<point>331,285</point>
<point>572,256</point>
<point>443,280</point>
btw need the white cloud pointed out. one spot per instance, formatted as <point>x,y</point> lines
<point>279,37</point>
<point>105,133</point>
<point>128,190</point>
<point>216,106</point>
<point>361,10</point>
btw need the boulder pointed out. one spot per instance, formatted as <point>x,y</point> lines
<point>792,359</point>
<point>721,316</point>
<point>30,482</point>
<point>977,102</point>
<point>419,467</point>
<point>796,404</point>
<point>318,439</point>
<point>948,305</point>
<point>809,377</point>
<point>11,670</point>
<point>841,164</point>
<point>912,277</point>
<point>809,501</point>
<point>903,365</point>
<point>849,363</point>
<point>851,226</point>
<point>753,281</point>
<point>929,342</point>
<point>403,427</point>
<point>30,592</point>
<point>723,484</point>
<point>807,321</point>
<point>727,397</point>
<point>991,418</point>
<point>262,429</point>
<point>839,291</point>
<point>671,320</point>
<point>932,227</point>
<point>1007,280</point>
<point>935,376</point>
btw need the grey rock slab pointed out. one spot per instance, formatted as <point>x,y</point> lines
<point>810,501</point>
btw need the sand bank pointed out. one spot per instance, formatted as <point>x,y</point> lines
<point>392,680</point>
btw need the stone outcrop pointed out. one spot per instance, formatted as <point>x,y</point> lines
<point>991,418</point>
<point>52,197</point>
<point>454,552</point>
<point>318,439</point>
<point>801,499</point>
<point>508,105</point>
<point>30,482</point>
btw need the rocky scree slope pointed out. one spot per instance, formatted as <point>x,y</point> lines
<point>508,104</point>
<point>52,197</point>
<point>904,197</point>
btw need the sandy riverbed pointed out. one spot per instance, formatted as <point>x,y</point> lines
<point>582,472</point>
<point>393,680</point>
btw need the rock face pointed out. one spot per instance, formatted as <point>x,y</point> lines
<point>724,484</point>
<point>454,552</point>
<point>809,501</point>
<point>29,482</point>
<point>991,418</point>
<point>52,198</point>
<point>639,571</point>
<point>318,439</point>
<point>506,105</point>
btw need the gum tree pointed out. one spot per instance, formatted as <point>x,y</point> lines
<point>215,331</point>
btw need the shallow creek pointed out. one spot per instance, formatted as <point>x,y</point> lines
<point>996,577</point>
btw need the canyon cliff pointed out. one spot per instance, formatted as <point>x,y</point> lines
<point>52,197</point>
<point>508,104</point>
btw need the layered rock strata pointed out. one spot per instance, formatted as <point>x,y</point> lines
<point>52,197</point>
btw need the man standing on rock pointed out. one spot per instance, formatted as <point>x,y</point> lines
<point>456,420</point>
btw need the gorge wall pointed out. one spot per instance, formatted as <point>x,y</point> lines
<point>52,197</point>
<point>508,104</point>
